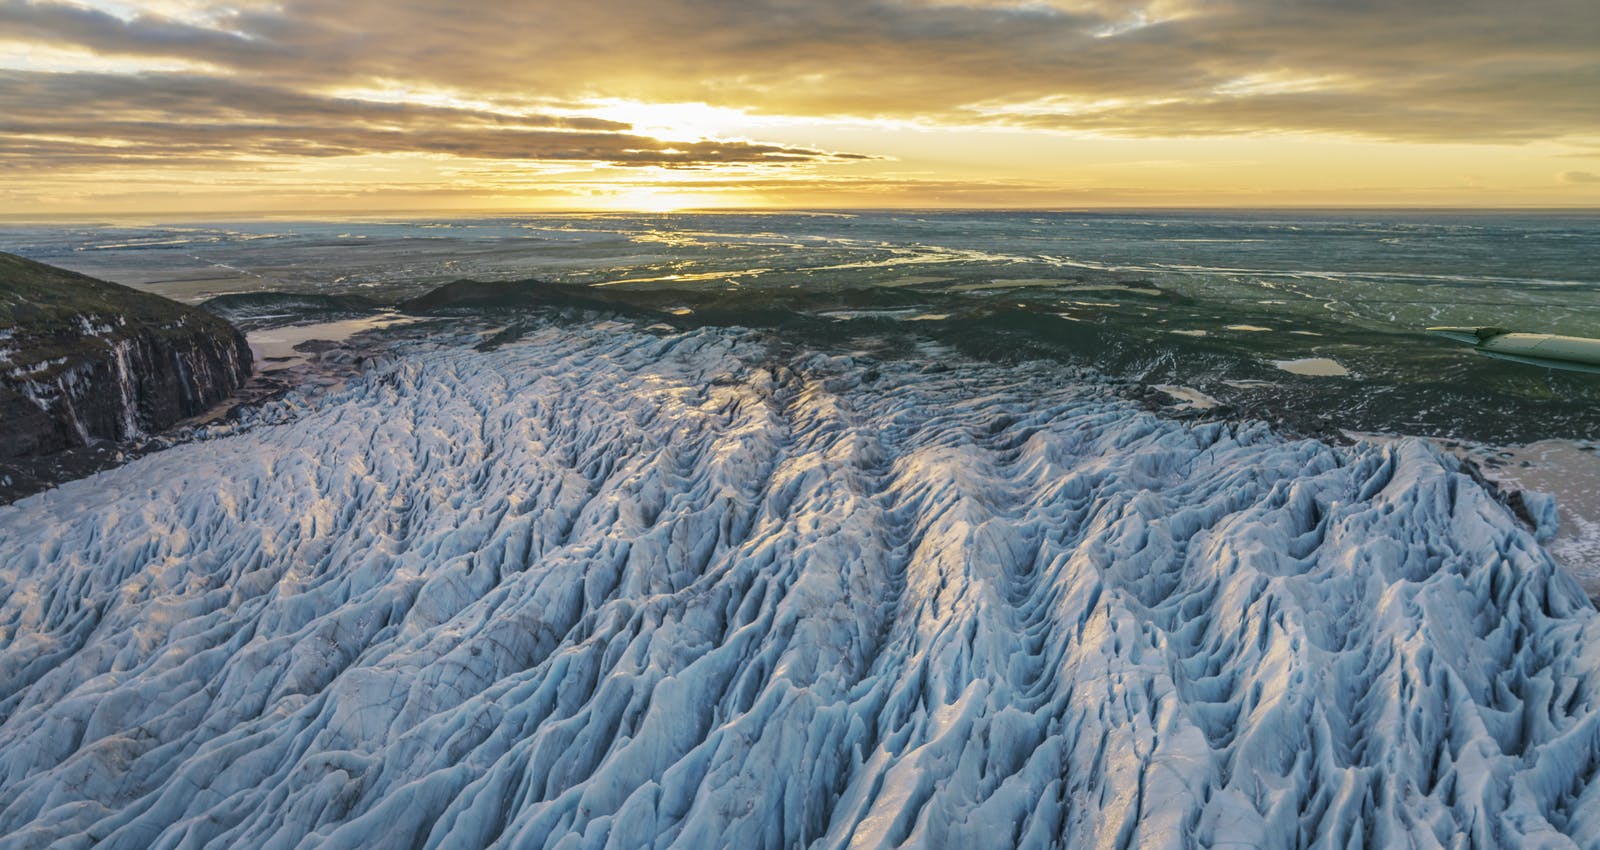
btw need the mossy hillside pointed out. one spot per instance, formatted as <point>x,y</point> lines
<point>49,314</point>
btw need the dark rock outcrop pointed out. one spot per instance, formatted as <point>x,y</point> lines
<point>472,295</point>
<point>680,306</point>
<point>83,360</point>
<point>252,310</point>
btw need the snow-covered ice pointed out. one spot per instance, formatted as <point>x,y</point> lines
<point>608,588</point>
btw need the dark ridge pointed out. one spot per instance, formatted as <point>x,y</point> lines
<point>473,296</point>
<point>87,366</point>
<point>253,310</point>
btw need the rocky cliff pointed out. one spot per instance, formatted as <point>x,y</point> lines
<point>83,360</point>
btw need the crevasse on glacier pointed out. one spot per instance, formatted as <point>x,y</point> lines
<point>605,588</point>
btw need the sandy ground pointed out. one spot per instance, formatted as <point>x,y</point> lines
<point>1569,471</point>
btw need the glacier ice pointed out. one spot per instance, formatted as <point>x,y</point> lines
<point>604,587</point>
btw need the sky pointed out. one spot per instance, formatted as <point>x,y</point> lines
<point>372,106</point>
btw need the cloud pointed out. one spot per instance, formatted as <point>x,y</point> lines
<point>501,88</point>
<point>50,121</point>
<point>1580,177</point>
<point>1471,70</point>
<point>144,35</point>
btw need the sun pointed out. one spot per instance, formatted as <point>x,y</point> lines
<point>683,121</point>
<point>652,199</point>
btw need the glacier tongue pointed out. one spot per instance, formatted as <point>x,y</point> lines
<point>605,588</point>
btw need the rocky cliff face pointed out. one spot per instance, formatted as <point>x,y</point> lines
<point>83,360</point>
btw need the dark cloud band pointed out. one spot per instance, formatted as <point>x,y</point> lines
<point>82,119</point>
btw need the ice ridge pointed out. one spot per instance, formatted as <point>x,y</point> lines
<point>604,587</point>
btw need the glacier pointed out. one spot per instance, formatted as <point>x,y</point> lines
<point>609,586</point>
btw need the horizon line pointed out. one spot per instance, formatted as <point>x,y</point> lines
<point>411,214</point>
